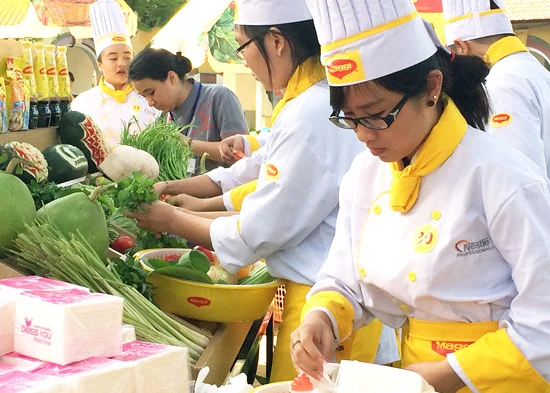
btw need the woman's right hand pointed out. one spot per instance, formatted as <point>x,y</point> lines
<point>312,344</point>
<point>228,146</point>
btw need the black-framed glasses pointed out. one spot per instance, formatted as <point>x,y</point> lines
<point>374,122</point>
<point>239,50</point>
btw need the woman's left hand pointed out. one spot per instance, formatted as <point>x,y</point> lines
<point>157,218</point>
<point>438,374</point>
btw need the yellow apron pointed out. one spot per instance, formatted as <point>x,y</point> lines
<point>363,347</point>
<point>428,341</point>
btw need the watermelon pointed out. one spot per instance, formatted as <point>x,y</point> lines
<point>79,130</point>
<point>34,165</point>
<point>16,209</point>
<point>65,162</point>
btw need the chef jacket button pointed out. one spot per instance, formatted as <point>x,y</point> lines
<point>377,209</point>
<point>362,272</point>
<point>436,215</point>
<point>404,307</point>
<point>412,276</point>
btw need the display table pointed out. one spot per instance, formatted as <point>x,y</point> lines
<point>40,138</point>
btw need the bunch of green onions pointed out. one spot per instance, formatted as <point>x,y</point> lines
<point>46,252</point>
<point>162,140</point>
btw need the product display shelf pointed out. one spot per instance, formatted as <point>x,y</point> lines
<point>40,138</point>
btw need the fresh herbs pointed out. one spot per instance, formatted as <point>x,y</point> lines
<point>44,193</point>
<point>134,191</point>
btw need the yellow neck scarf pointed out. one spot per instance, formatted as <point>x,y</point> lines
<point>504,47</point>
<point>119,95</point>
<point>441,143</point>
<point>306,75</point>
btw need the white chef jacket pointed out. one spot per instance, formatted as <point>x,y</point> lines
<point>289,220</point>
<point>110,115</point>
<point>519,86</point>
<point>490,261</point>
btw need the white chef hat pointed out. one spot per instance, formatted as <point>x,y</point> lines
<point>362,40</point>
<point>471,19</point>
<point>108,27</point>
<point>270,12</point>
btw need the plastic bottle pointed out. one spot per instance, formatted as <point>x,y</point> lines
<point>301,384</point>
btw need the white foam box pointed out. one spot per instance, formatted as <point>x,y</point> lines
<point>23,382</point>
<point>157,368</point>
<point>67,325</point>
<point>21,362</point>
<point>359,377</point>
<point>17,285</point>
<point>7,322</point>
<point>93,375</point>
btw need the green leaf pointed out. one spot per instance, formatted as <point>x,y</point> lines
<point>184,273</point>
<point>195,260</point>
<point>156,263</point>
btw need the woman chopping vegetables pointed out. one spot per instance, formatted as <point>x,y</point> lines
<point>442,229</point>
<point>289,219</point>
<point>213,111</point>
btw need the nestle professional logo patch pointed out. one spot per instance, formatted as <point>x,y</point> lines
<point>465,248</point>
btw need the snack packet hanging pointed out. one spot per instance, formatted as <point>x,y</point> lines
<point>63,73</point>
<point>28,67</point>
<point>51,71</point>
<point>39,62</point>
<point>15,96</point>
<point>3,114</point>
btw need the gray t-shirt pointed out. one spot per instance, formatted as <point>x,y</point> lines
<point>218,114</point>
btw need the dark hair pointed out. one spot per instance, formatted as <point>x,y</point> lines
<point>463,82</point>
<point>301,37</point>
<point>156,63</point>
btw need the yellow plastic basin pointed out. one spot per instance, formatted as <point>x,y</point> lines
<point>208,302</point>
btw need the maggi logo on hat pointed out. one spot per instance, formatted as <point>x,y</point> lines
<point>345,68</point>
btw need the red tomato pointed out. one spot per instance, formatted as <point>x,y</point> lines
<point>123,244</point>
<point>205,251</point>
<point>171,257</point>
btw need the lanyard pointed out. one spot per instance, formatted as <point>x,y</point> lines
<point>192,114</point>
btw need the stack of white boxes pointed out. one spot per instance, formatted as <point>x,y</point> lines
<point>57,337</point>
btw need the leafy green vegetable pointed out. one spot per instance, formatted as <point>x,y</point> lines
<point>184,273</point>
<point>146,240</point>
<point>195,260</point>
<point>133,275</point>
<point>162,140</point>
<point>134,191</point>
<point>156,263</point>
<point>44,193</point>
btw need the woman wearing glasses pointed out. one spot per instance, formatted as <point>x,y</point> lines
<point>213,111</point>
<point>289,220</point>
<point>442,229</point>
